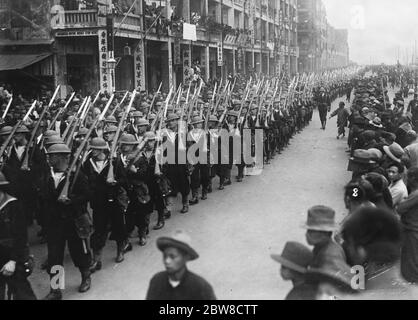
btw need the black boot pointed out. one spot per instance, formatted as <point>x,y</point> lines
<point>160,224</point>
<point>120,253</point>
<point>195,198</point>
<point>142,240</point>
<point>54,294</point>
<point>185,208</point>
<point>210,187</point>
<point>96,264</point>
<point>204,194</point>
<point>167,215</point>
<point>85,281</point>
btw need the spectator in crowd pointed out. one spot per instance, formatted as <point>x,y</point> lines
<point>177,282</point>
<point>397,187</point>
<point>408,211</point>
<point>294,260</point>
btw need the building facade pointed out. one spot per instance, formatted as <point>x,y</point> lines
<point>108,45</point>
<point>321,47</point>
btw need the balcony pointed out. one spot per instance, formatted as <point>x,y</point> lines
<point>81,19</point>
<point>132,22</point>
<point>74,19</point>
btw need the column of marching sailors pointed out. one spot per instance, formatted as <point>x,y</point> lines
<point>87,170</point>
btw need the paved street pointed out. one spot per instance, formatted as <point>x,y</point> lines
<point>234,231</point>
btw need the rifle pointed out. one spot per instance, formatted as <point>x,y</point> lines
<point>69,126</point>
<point>7,108</point>
<point>164,112</point>
<point>153,100</point>
<point>16,126</point>
<point>77,124</point>
<point>208,112</point>
<point>51,125</point>
<point>111,174</point>
<point>120,103</point>
<point>25,162</point>
<point>63,197</point>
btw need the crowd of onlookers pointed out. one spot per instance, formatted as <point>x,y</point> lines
<point>373,252</point>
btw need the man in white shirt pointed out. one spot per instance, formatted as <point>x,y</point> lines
<point>397,187</point>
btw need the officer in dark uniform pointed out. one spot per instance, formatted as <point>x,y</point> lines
<point>324,105</point>
<point>15,263</point>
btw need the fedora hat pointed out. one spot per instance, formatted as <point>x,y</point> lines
<point>179,240</point>
<point>394,151</point>
<point>362,156</point>
<point>295,256</point>
<point>375,154</point>
<point>321,218</point>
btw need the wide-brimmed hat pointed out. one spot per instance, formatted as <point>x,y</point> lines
<point>213,118</point>
<point>375,154</point>
<point>376,122</point>
<point>394,151</point>
<point>111,119</point>
<point>332,268</point>
<point>172,117</point>
<point>59,148</point>
<point>109,129</point>
<point>98,144</point>
<point>233,113</point>
<point>5,131</point>
<point>320,218</point>
<point>3,180</point>
<point>22,129</point>
<point>196,120</point>
<point>362,156</point>
<point>56,139</point>
<point>295,256</point>
<point>128,139</point>
<point>82,132</point>
<point>142,122</point>
<point>179,240</point>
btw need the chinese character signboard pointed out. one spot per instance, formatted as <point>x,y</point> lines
<point>103,57</point>
<point>139,66</point>
<point>220,54</point>
<point>177,51</point>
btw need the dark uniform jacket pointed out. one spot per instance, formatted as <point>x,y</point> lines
<point>191,287</point>
<point>79,197</point>
<point>13,233</point>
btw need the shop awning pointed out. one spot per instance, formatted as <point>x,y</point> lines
<point>20,61</point>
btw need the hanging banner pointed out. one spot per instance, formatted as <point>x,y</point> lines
<point>220,54</point>
<point>103,57</point>
<point>177,51</point>
<point>139,66</point>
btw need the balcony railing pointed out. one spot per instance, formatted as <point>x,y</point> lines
<point>74,19</point>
